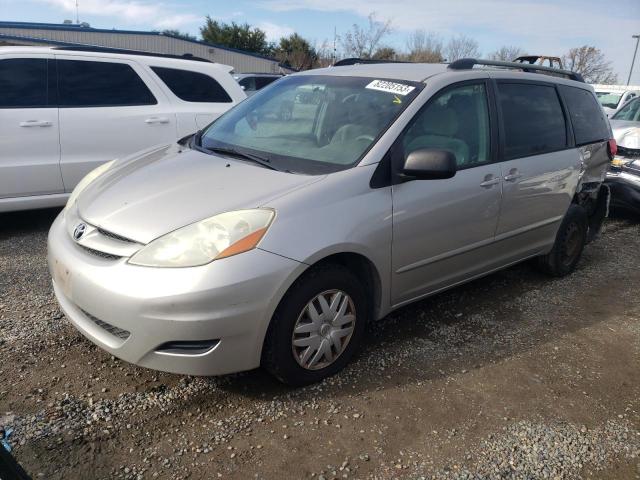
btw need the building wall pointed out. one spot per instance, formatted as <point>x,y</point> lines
<point>241,62</point>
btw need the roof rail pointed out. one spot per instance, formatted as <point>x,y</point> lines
<point>357,61</point>
<point>469,63</point>
<point>90,48</point>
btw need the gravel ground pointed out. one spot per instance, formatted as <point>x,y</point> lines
<point>512,376</point>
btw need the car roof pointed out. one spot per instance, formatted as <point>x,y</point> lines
<point>141,57</point>
<point>414,72</point>
<point>420,72</point>
<point>616,88</point>
<point>257,74</point>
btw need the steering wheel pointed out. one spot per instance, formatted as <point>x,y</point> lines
<point>350,98</point>
<point>365,137</point>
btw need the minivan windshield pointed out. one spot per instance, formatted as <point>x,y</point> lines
<point>311,124</point>
<point>631,111</point>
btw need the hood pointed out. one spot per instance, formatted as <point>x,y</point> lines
<point>170,187</point>
<point>626,133</point>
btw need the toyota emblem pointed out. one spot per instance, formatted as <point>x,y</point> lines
<point>79,231</point>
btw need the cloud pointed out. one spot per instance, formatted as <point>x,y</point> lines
<point>175,21</point>
<point>275,32</point>
<point>540,26</point>
<point>129,11</point>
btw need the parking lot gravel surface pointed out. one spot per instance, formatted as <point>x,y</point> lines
<point>515,375</point>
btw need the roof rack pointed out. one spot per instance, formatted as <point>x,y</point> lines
<point>469,63</point>
<point>357,61</point>
<point>90,48</point>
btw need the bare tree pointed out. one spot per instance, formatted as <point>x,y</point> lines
<point>326,55</point>
<point>424,47</point>
<point>507,53</point>
<point>591,63</point>
<point>461,47</point>
<point>362,42</point>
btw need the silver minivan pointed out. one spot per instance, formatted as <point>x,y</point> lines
<point>271,241</point>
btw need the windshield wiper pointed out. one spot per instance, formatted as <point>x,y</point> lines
<point>243,155</point>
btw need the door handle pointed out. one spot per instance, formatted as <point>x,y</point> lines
<point>512,176</point>
<point>152,120</point>
<point>35,123</point>
<point>490,181</point>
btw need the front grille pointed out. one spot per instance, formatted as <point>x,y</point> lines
<point>97,253</point>
<point>114,236</point>
<point>628,152</point>
<point>115,331</point>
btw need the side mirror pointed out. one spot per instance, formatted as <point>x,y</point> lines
<point>429,164</point>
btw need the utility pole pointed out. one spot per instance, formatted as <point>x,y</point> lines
<point>637,37</point>
<point>77,14</point>
<point>335,37</point>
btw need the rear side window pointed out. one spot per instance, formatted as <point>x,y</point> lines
<point>249,84</point>
<point>532,118</point>
<point>192,86</point>
<point>262,82</point>
<point>100,84</point>
<point>587,118</point>
<point>23,83</point>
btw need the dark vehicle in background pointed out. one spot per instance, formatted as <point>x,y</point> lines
<point>553,62</point>
<point>252,82</point>
<point>623,177</point>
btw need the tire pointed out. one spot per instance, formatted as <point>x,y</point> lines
<point>282,359</point>
<point>570,241</point>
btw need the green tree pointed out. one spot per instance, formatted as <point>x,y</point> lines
<point>234,35</point>
<point>384,53</point>
<point>296,52</point>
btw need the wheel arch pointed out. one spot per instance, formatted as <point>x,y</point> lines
<point>363,267</point>
<point>366,272</point>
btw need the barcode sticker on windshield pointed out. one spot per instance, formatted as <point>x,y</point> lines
<point>390,87</point>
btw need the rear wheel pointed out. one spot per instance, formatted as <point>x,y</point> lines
<point>317,327</point>
<point>570,241</point>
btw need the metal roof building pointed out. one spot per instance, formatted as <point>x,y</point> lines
<point>25,33</point>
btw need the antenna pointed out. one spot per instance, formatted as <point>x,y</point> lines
<point>77,14</point>
<point>335,36</point>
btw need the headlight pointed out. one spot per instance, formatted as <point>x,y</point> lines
<point>200,243</point>
<point>88,178</point>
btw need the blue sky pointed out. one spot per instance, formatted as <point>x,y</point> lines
<point>538,26</point>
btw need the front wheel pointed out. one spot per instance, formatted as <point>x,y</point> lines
<point>570,241</point>
<point>318,326</point>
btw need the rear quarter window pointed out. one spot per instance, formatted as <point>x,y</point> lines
<point>192,86</point>
<point>587,118</point>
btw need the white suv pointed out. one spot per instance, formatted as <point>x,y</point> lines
<point>614,97</point>
<point>64,111</point>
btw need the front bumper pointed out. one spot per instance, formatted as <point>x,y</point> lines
<point>130,311</point>
<point>625,190</point>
